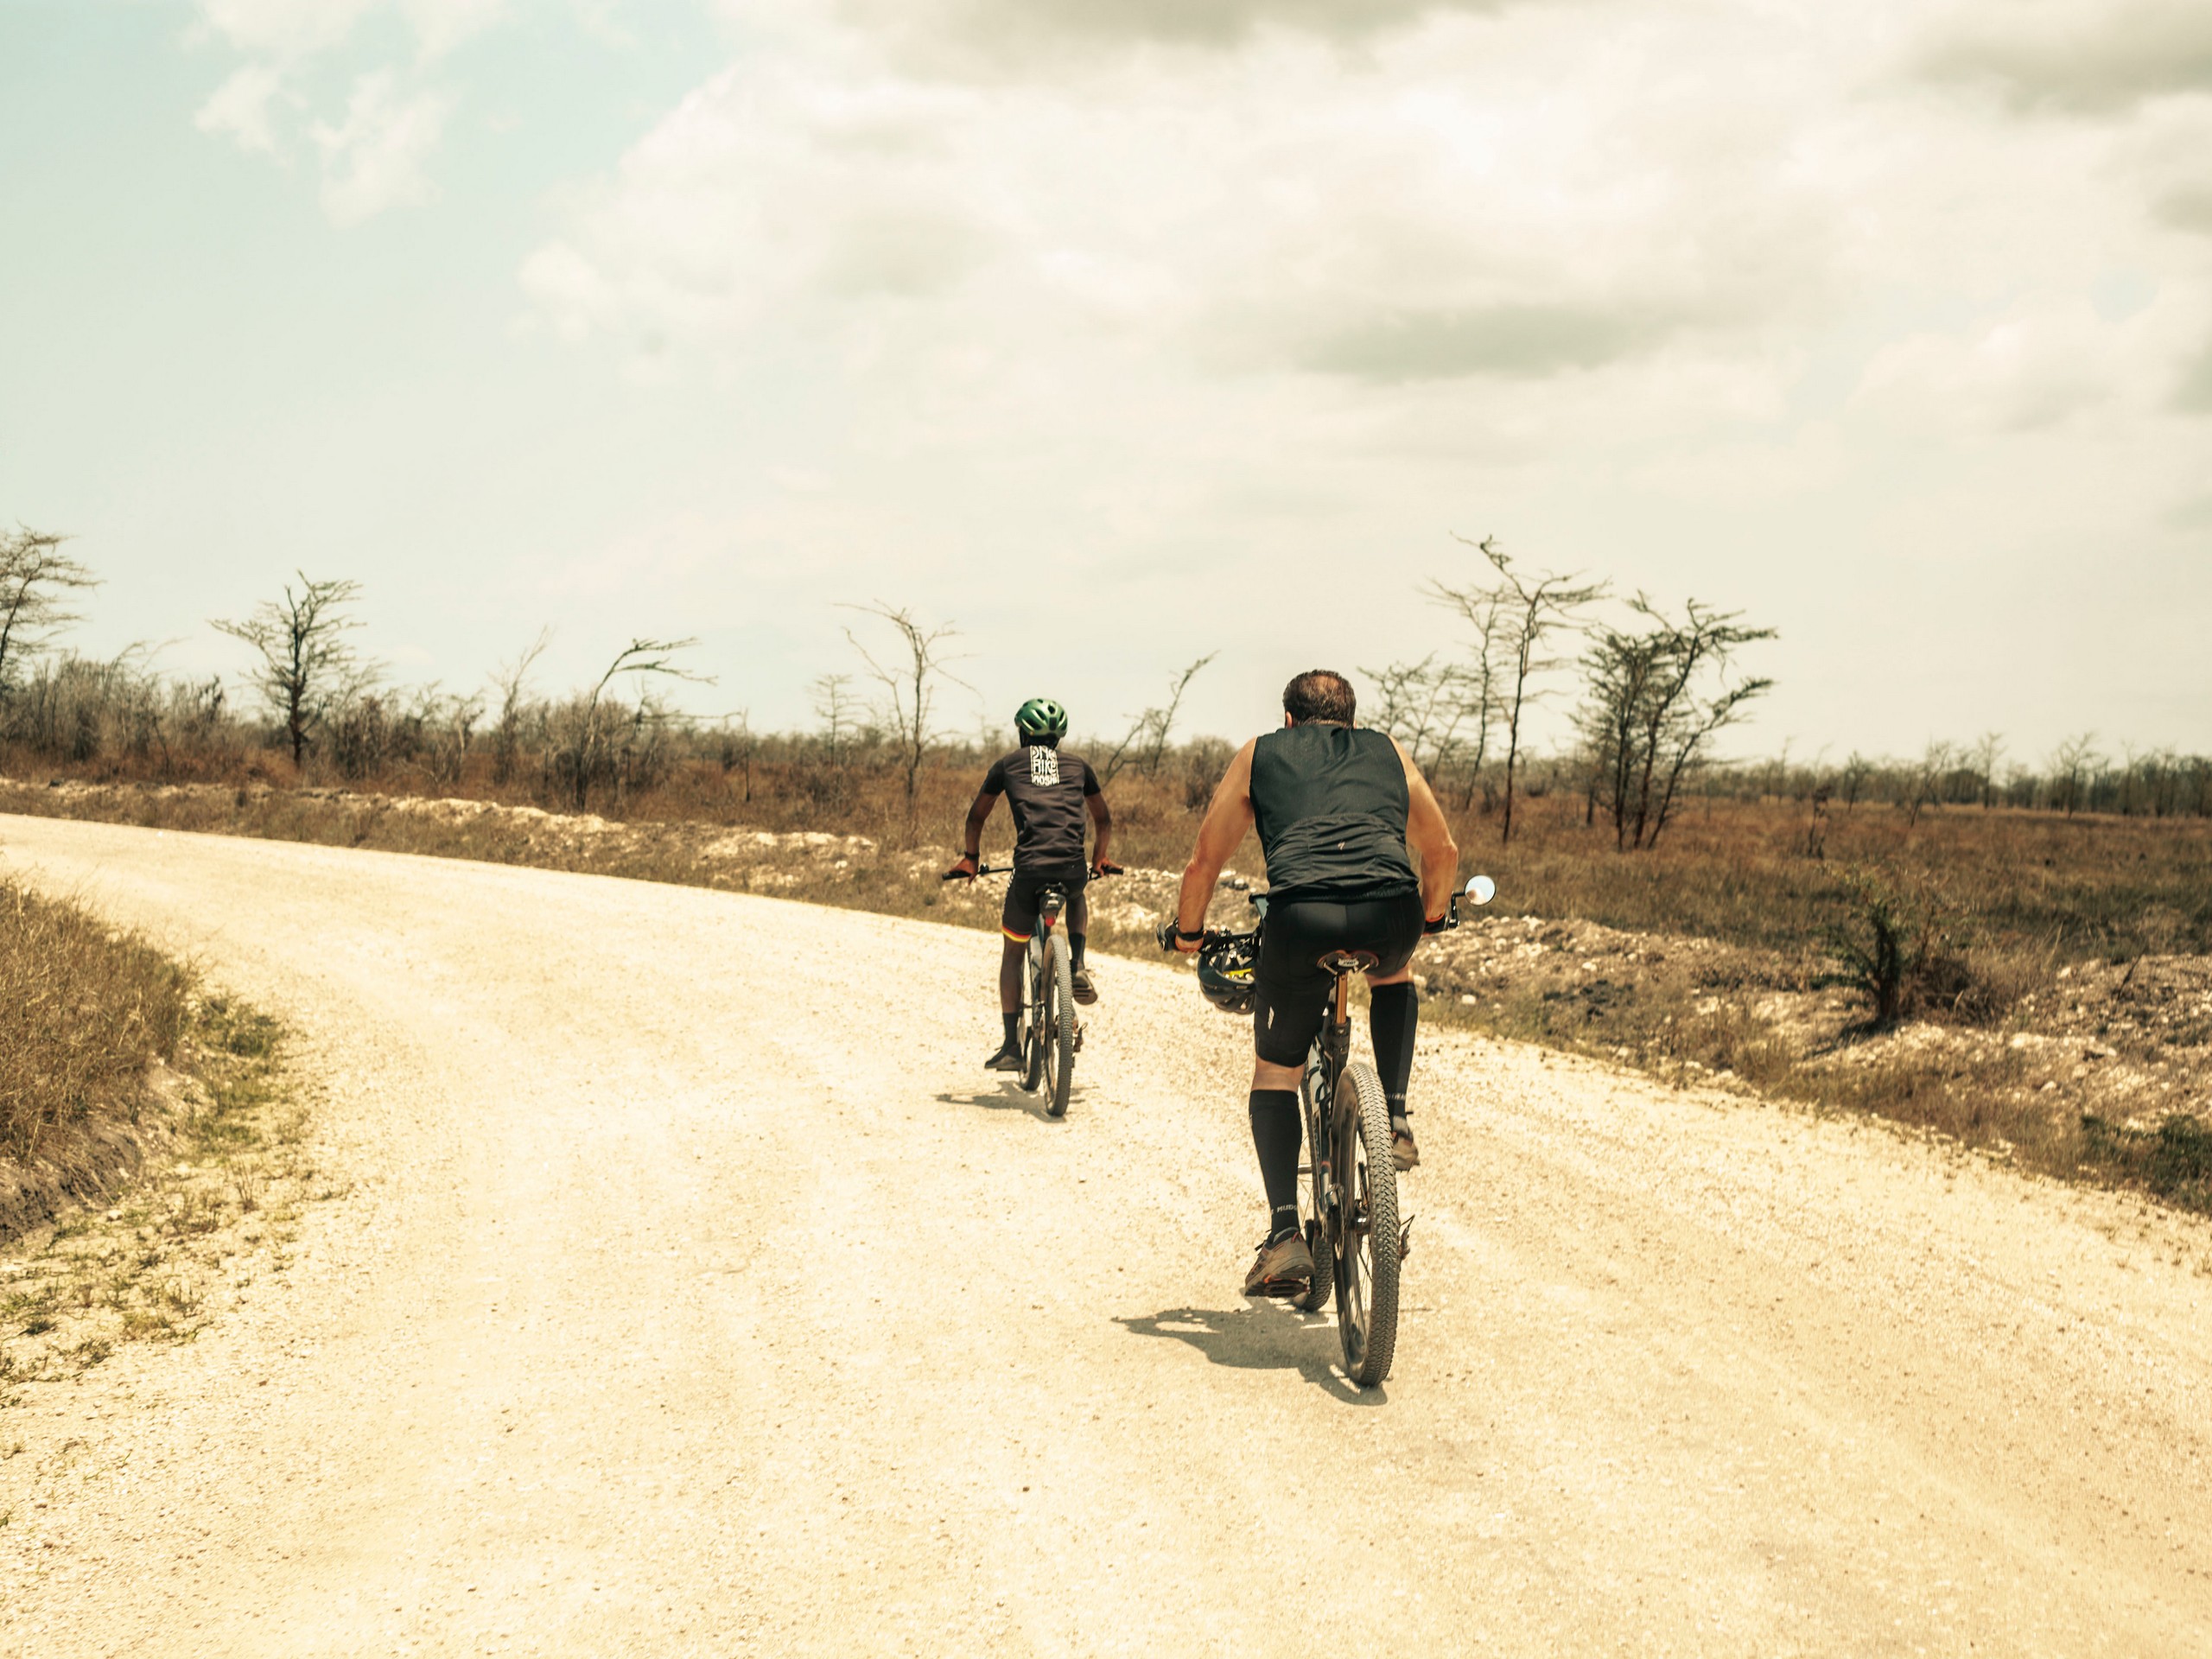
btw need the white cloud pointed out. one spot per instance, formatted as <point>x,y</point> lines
<point>2035,364</point>
<point>375,155</point>
<point>287,31</point>
<point>2083,56</point>
<point>284,30</point>
<point>1197,297</point>
<point>373,160</point>
<point>1414,215</point>
<point>240,109</point>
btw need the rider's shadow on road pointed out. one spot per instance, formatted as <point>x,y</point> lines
<point>1008,1097</point>
<point>1265,1336</point>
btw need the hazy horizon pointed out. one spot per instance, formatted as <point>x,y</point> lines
<point>1121,332</point>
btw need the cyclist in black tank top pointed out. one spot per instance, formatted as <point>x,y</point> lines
<point>1359,858</point>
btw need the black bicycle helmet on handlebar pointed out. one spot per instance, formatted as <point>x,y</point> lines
<point>1226,972</point>
<point>1041,720</point>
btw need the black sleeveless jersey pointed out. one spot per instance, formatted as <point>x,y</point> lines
<point>1330,803</point>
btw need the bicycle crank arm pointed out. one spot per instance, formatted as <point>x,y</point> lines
<point>1405,1239</point>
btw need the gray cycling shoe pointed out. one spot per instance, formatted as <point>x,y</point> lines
<point>1079,982</point>
<point>1284,1268</point>
<point>1006,1059</point>
<point>1404,1155</point>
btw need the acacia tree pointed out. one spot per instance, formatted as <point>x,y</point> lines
<point>1152,727</point>
<point>586,753</point>
<point>36,578</point>
<point>1647,716</point>
<point>508,680</point>
<point>1427,705</point>
<point>910,685</point>
<point>306,667</point>
<point>1517,614</point>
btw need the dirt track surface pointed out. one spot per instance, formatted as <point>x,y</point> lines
<point>698,1293</point>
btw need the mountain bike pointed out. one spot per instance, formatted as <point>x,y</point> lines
<point>1050,1034</point>
<point>1347,1201</point>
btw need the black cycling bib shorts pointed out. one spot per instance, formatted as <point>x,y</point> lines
<point>1291,997</point>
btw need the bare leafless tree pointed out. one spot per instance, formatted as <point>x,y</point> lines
<point>36,579</point>
<point>1935,767</point>
<point>1148,734</point>
<point>586,753</point>
<point>1526,609</point>
<point>306,667</point>
<point>1469,696</point>
<point>1430,706</point>
<point>2073,764</point>
<point>910,685</point>
<point>835,708</point>
<point>508,679</point>
<point>1986,753</point>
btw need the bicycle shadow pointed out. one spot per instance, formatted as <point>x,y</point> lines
<point>1009,1097</point>
<point>1267,1336</point>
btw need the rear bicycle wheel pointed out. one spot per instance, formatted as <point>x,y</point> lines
<point>1367,1249</point>
<point>1059,984</point>
<point>1032,1021</point>
<point>1312,1189</point>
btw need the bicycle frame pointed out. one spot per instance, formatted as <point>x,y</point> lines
<point>1324,1068</point>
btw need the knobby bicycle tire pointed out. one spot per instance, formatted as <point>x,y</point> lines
<point>1060,1032</point>
<point>1367,1279</point>
<point>1034,1020</point>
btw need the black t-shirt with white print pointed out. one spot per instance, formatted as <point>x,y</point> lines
<point>1045,790</point>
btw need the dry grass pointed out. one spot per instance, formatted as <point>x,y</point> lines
<point>214,1208</point>
<point>86,1012</point>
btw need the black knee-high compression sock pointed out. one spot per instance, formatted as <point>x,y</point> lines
<point>1013,1028</point>
<point>1276,1135</point>
<point>1075,950</point>
<point>1393,1012</point>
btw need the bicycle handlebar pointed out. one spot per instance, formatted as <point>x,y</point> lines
<point>1479,888</point>
<point>1008,869</point>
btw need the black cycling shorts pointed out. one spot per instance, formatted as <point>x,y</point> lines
<point>1018,918</point>
<point>1292,993</point>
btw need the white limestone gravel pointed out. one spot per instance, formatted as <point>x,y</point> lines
<point>697,1292</point>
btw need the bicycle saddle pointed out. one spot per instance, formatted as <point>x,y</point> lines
<point>1349,962</point>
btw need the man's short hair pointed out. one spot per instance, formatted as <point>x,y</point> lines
<point>1320,694</point>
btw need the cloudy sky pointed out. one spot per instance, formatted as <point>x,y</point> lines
<point>1118,331</point>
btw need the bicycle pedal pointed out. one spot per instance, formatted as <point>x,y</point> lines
<point>1405,1239</point>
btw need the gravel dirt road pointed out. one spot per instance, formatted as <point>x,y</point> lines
<point>697,1292</point>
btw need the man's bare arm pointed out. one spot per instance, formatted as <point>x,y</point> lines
<point>1220,833</point>
<point>978,815</point>
<point>1429,837</point>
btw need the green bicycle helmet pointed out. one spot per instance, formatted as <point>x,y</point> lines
<point>1041,720</point>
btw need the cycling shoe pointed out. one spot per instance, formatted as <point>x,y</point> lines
<point>1283,1267</point>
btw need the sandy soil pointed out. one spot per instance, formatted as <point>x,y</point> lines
<point>698,1293</point>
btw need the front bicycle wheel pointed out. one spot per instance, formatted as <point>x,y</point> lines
<point>1058,986</point>
<point>1367,1249</point>
<point>1034,1020</point>
<point>1314,1189</point>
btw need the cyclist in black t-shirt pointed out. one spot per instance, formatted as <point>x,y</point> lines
<point>1359,857</point>
<point>1051,793</point>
